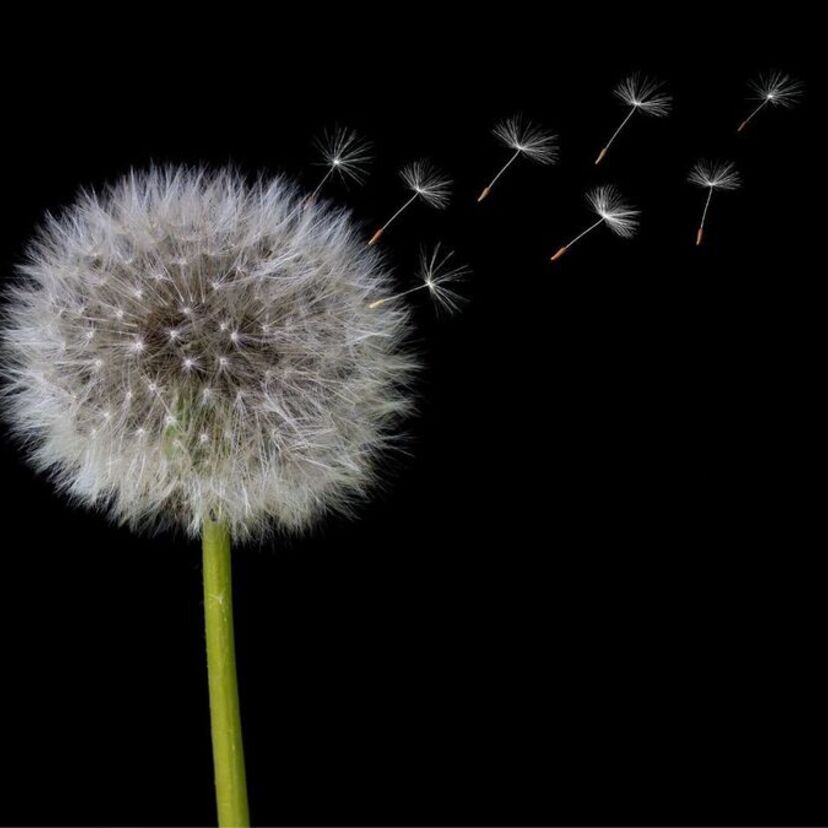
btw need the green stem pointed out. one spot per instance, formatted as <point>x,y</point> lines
<point>225,719</point>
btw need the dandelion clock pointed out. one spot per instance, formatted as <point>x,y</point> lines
<point>188,349</point>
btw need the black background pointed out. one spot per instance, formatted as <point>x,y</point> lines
<point>594,590</point>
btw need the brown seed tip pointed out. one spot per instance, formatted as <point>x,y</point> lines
<point>483,195</point>
<point>376,304</point>
<point>375,237</point>
<point>601,155</point>
<point>558,254</point>
<point>742,126</point>
<point>699,236</point>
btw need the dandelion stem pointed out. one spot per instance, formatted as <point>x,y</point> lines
<point>562,250</point>
<point>589,229</point>
<point>494,180</point>
<point>614,136</point>
<point>379,302</point>
<point>410,200</point>
<point>749,117</point>
<point>706,205</point>
<point>375,237</point>
<point>704,216</point>
<point>321,184</point>
<point>225,719</point>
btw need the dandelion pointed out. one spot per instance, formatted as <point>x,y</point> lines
<point>640,94</point>
<point>713,176</point>
<point>524,139</point>
<point>435,274</point>
<point>250,388</point>
<point>774,88</point>
<point>345,154</point>
<point>609,205</point>
<point>426,183</point>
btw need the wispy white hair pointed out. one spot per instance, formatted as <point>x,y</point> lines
<point>717,175</point>
<point>645,94</point>
<point>776,88</point>
<point>424,179</point>
<point>523,136</point>
<point>189,344</point>
<point>345,152</point>
<point>617,213</point>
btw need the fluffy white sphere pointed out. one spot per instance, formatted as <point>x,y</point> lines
<point>188,344</point>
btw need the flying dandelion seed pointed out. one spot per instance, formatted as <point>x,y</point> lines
<point>526,139</point>
<point>426,183</point>
<point>774,88</point>
<point>436,273</point>
<point>611,208</point>
<point>641,94</point>
<point>713,176</point>
<point>346,154</point>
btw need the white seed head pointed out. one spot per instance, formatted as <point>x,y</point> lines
<point>346,153</point>
<point>718,175</point>
<point>530,140</point>
<point>272,431</point>
<point>776,88</point>
<point>428,183</point>
<point>645,94</point>
<point>617,214</point>
<point>438,273</point>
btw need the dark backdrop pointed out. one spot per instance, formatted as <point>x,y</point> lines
<point>592,593</point>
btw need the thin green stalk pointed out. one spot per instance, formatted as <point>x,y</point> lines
<point>225,719</point>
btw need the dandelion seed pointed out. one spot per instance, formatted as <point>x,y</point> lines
<point>713,176</point>
<point>346,154</point>
<point>426,183</point>
<point>609,205</point>
<point>436,273</point>
<point>523,138</point>
<point>640,94</point>
<point>774,88</point>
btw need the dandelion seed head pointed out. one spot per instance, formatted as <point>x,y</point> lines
<point>427,182</point>
<point>718,175</point>
<point>617,214</point>
<point>776,88</point>
<point>122,427</point>
<point>645,94</point>
<point>534,142</point>
<point>345,152</point>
